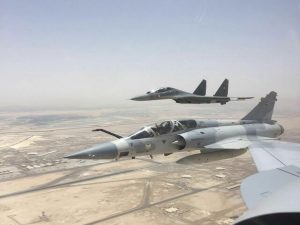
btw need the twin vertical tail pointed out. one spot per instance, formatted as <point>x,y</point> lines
<point>263,111</point>
<point>223,89</point>
<point>201,89</point>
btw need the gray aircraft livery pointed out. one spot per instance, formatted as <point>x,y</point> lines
<point>272,195</point>
<point>184,135</point>
<point>197,97</point>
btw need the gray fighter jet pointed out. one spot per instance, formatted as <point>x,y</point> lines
<point>197,97</point>
<point>184,135</point>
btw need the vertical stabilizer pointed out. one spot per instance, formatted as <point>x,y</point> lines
<point>263,111</point>
<point>223,89</point>
<point>201,89</point>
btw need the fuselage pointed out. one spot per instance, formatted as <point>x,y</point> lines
<point>180,96</point>
<point>197,138</point>
<point>159,139</point>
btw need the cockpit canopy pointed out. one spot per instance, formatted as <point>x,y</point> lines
<point>165,127</point>
<point>160,90</point>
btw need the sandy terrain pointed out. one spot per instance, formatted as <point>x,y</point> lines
<point>38,186</point>
<point>124,190</point>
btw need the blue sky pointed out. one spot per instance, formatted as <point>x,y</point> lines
<point>67,53</point>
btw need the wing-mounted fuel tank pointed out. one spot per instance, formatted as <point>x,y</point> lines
<point>194,139</point>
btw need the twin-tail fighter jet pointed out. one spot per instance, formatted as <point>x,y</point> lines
<point>197,97</point>
<point>184,135</point>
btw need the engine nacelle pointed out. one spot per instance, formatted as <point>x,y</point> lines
<point>192,139</point>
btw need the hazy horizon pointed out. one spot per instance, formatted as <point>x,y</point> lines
<point>87,54</point>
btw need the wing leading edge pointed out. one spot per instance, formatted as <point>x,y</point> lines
<point>272,195</point>
<point>239,142</point>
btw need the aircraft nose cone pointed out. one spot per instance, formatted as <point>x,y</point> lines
<point>135,98</point>
<point>140,98</point>
<point>281,128</point>
<point>103,151</point>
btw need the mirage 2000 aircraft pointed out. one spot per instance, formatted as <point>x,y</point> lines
<point>197,97</point>
<point>184,135</point>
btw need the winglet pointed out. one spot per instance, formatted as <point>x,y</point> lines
<point>263,111</point>
<point>201,89</point>
<point>223,89</point>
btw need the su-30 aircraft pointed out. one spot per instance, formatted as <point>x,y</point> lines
<point>184,135</point>
<point>197,97</point>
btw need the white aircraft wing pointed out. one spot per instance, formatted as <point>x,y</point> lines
<point>268,153</point>
<point>273,195</point>
<point>271,154</point>
<point>239,142</point>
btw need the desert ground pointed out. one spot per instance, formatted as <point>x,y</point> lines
<point>39,186</point>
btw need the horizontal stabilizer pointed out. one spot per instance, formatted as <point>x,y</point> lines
<point>240,98</point>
